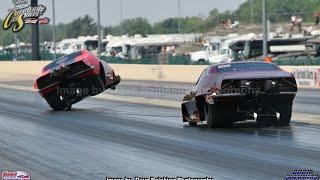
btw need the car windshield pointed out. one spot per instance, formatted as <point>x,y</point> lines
<point>205,48</point>
<point>249,66</point>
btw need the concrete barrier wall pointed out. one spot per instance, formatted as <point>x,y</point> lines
<point>22,67</point>
<point>172,73</point>
<point>165,73</point>
<point>307,76</point>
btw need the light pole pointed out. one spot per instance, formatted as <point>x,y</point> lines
<point>121,15</point>
<point>16,38</point>
<point>35,36</point>
<point>99,28</point>
<point>121,10</point>
<point>251,11</point>
<point>179,12</point>
<point>54,30</point>
<point>264,22</point>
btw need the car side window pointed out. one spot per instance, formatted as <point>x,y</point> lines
<point>204,72</point>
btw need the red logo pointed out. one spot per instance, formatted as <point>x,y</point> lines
<point>15,175</point>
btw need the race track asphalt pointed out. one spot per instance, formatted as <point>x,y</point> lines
<point>100,138</point>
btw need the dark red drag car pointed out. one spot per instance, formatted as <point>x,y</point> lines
<point>74,77</point>
<point>231,92</point>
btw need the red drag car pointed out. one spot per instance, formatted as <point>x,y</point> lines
<point>226,93</point>
<point>74,77</point>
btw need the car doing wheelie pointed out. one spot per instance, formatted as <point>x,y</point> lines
<point>74,77</point>
<point>231,92</point>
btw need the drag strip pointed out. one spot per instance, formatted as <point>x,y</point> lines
<point>107,138</point>
<point>307,100</point>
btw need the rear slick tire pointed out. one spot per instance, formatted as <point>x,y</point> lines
<point>285,111</point>
<point>218,117</point>
<point>193,124</point>
<point>55,102</point>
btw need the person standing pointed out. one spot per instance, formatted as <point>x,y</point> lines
<point>293,22</point>
<point>299,23</point>
<point>317,18</point>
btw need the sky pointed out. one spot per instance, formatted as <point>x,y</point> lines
<point>153,10</point>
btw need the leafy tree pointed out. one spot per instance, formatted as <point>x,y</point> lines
<point>136,26</point>
<point>193,24</point>
<point>82,26</point>
<point>168,26</point>
<point>6,38</point>
<point>215,18</point>
<point>278,11</point>
<point>61,31</point>
<point>45,32</point>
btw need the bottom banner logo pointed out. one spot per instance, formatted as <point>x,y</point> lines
<point>15,175</point>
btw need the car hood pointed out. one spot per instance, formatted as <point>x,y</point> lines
<point>197,54</point>
<point>256,75</point>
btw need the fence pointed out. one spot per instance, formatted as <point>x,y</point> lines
<point>184,60</point>
<point>23,56</point>
<point>168,59</point>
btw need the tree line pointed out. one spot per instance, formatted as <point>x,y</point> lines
<point>278,11</point>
